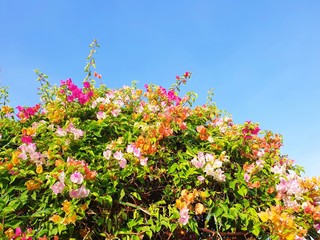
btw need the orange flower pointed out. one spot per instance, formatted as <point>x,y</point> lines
<point>29,131</point>
<point>256,184</point>
<point>270,190</point>
<point>9,166</point>
<point>43,238</point>
<point>66,206</point>
<point>71,219</point>
<point>203,132</point>
<point>6,109</point>
<point>9,233</point>
<point>32,185</point>
<point>97,75</point>
<point>165,130</point>
<point>84,207</point>
<point>201,129</point>
<point>58,163</point>
<point>55,218</point>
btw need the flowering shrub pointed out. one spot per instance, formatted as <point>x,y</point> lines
<point>98,163</point>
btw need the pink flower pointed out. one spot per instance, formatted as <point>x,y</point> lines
<point>101,115</point>
<point>76,177</point>
<point>81,192</point>
<point>60,132</point>
<point>247,177</point>
<point>118,155</point>
<point>260,164</point>
<point>107,154</point>
<point>219,175</point>
<point>58,187</point>
<point>184,216</point>
<point>115,112</point>
<point>77,133</point>
<point>143,161</point>
<point>62,176</point>
<point>209,158</point>
<point>130,148</point>
<point>198,163</point>
<point>136,152</point>
<point>123,163</point>
<point>317,227</point>
<point>201,178</point>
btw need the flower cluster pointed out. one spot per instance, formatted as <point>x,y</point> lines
<point>77,133</point>
<point>211,165</point>
<point>184,204</point>
<point>26,112</point>
<point>73,92</point>
<point>18,234</point>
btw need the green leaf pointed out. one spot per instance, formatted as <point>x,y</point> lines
<point>136,195</point>
<point>122,194</point>
<point>218,212</point>
<point>243,191</point>
<point>256,231</point>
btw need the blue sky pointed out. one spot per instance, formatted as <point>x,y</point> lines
<point>261,57</point>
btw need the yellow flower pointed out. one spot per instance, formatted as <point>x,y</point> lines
<point>39,169</point>
<point>15,158</point>
<point>203,194</point>
<point>264,216</point>
<point>180,204</point>
<point>199,209</point>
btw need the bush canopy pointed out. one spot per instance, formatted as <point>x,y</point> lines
<point>90,162</point>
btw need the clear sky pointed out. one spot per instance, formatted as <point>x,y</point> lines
<point>261,57</point>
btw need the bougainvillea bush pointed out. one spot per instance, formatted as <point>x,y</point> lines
<point>90,162</point>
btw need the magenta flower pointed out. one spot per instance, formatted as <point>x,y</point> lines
<point>86,85</point>
<point>26,139</point>
<point>17,233</point>
<point>76,177</point>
